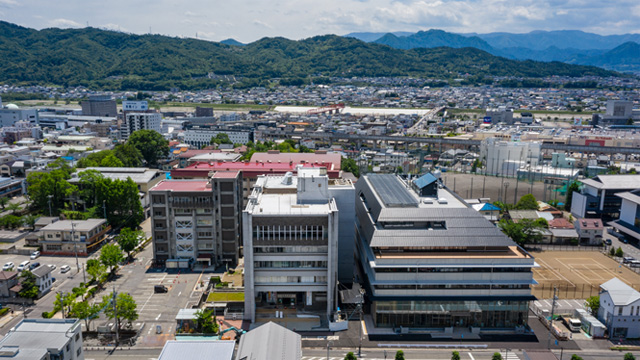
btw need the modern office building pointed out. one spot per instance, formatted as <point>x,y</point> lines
<point>429,261</point>
<point>134,121</point>
<point>290,228</point>
<point>599,198</point>
<point>11,114</point>
<point>197,220</point>
<point>43,339</point>
<point>629,222</point>
<point>99,105</point>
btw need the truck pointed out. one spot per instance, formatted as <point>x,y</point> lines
<point>572,324</point>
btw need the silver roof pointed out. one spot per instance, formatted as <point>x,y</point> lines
<point>80,225</point>
<point>621,293</point>
<point>391,191</point>
<point>614,182</point>
<point>631,196</point>
<point>37,334</point>
<point>270,342</point>
<point>198,350</point>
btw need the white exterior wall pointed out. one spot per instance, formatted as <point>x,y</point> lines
<point>203,137</point>
<point>628,212</point>
<point>496,153</point>
<point>44,283</point>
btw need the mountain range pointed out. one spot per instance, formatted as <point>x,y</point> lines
<point>113,60</point>
<point>615,52</point>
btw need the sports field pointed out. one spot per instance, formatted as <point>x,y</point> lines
<point>577,274</point>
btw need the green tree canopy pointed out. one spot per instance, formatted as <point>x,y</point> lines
<point>206,322</point>
<point>128,239</point>
<point>349,165</point>
<point>83,310</point>
<point>111,161</point>
<point>573,187</point>
<point>455,355</point>
<point>151,144</point>
<point>129,155</point>
<point>527,202</point>
<point>619,252</point>
<point>221,138</point>
<point>95,269</point>
<point>28,282</point>
<point>126,308</point>
<point>111,255</point>
<point>525,231</point>
<point>122,202</point>
<point>399,355</point>
<point>40,185</point>
<point>350,356</point>
<point>629,356</point>
<point>64,302</point>
<point>496,356</point>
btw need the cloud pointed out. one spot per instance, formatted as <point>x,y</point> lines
<point>262,24</point>
<point>64,23</point>
<point>8,3</point>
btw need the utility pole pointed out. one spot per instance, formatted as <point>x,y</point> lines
<point>104,208</point>
<point>75,245</point>
<point>84,274</point>
<point>360,322</point>
<point>50,212</point>
<point>115,316</point>
<point>553,308</point>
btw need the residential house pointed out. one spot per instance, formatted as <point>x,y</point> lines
<point>620,309</point>
<point>44,279</point>
<point>8,279</point>
<point>590,231</point>
<point>44,339</point>
<point>70,237</point>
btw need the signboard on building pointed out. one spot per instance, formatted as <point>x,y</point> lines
<point>135,105</point>
<point>487,120</point>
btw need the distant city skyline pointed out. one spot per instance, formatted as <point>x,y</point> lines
<point>250,20</point>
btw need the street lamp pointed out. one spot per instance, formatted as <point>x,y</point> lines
<point>50,212</point>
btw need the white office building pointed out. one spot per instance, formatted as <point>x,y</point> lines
<point>202,136</point>
<point>290,231</point>
<point>506,157</point>
<point>135,121</point>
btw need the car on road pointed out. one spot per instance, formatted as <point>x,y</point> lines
<point>34,265</point>
<point>35,255</point>
<point>65,268</point>
<point>607,242</point>
<point>158,329</point>
<point>627,259</point>
<point>24,265</point>
<point>8,266</point>
<point>159,289</point>
<point>53,267</point>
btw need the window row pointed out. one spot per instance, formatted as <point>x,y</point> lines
<point>290,264</point>
<point>261,280</point>
<point>290,249</point>
<point>449,286</point>
<point>289,232</point>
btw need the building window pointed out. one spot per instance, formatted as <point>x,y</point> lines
<point>620,310</point>
<point>77,336</point>
<point>79,351</point>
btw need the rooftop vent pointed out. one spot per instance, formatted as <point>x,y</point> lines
<point>443,201</point>
<point>288,178</point>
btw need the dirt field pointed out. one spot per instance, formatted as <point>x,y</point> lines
<point>577,274</point>
<point>478,186</point>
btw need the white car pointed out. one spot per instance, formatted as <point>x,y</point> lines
<point>8,266</point>
<point>52,267</point>
<point>35,255</point>
<point>64,268</point>
<point>24,265</point>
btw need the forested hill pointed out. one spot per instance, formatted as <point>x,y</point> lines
<point>107,59</point>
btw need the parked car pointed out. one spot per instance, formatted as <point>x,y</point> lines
<point>53,267</point>
<point>65,268</point>
<point>627,259</point>
<point>24,265</point>
<point>160,289</point>
<point>34,265</point>
<point>35,255</point>
<point>8,266</point>
<point>158,329</point>
<point>607,242</point>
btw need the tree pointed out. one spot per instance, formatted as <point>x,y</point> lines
<point>206,322</point>
<point>64,302</point>
<point>111,161</point>
<point>525,231</point>
<point>82,310</point>
<point>129,155</point>
<point>89,180</point>
<point>619,252</point>
<point>575,357</point>
<point>110,256</point>
<point>612,251</point>
<point>30,221</point>
<point>629,356</point>
<point>455,355</point>
<point>126,308</point>
<point>28,282</point>
<point>573,187</point>
<point>593,304</point>
<point>399,355</point>
<point>220,138</point>
<point>527,202</point>
<point>41,185</point>
<point>496,356</point>
<point>349,165</point>
<point>4,201</point>
<point>13,207</point>
<point>350,356</point>
<point>128,239</point>
<point>122,202</point>
<point>95,269</point>
<point>151,145</point>
<point>11,221</point>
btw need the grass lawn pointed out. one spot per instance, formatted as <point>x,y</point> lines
<point>225,296</point>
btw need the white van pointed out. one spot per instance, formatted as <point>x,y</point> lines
<point>24,265</point>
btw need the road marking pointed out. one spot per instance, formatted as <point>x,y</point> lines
<point>180,293</point>
<point>158,317</point>
<point>471,356</point>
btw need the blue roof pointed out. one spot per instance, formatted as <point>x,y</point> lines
<point>489,207</point>
<point>424,180</point>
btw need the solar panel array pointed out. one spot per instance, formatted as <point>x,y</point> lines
<point>391,191</point>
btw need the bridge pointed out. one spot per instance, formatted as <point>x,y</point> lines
<point>441,141</point>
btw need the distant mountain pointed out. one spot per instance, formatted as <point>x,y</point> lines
<point>107,59</point>
<point>568,46</point>
<point>233,42</point>
<point>372,36</point>
<point>563,39</point>
<point>434,38</point>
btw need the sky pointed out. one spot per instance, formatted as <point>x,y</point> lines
<point>250,20</point>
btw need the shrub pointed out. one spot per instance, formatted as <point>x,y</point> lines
<point>455,355</point>
<point>46,315</point>
<point>214,279</point>
<point>4,311</point>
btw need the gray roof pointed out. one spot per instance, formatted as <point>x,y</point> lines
<point>632,196</point>
<point>42,270</point>
<point>614,182</point>
<point>187,314</point>
<point>36,334</point>
<point>80,225</point>
<point>391,191</point>
<point>564,233</point>
<point>621,293</point>
<point>46,220</point>
<point>198,350</point>
<point>270,342</point>
<point>138,175</point>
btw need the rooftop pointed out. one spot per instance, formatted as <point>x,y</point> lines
<point>621,293</point>
<point>138,175</point>
<point>39,334</point>
<point>633,196</point>
<point>614,182</point>
<point>182,185</point>
<point>270,342</point>
<point>80,225</point>
<point>307,158</point>
<point>198,350</point>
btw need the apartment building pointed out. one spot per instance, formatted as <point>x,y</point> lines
<point>429,261</point>
<point>134,121</point>
<point>599,198</point>
<point>290,228</point>
<point>197,221</point>
<point>68,237</point>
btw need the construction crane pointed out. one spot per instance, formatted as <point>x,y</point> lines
<point>324,109</point>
